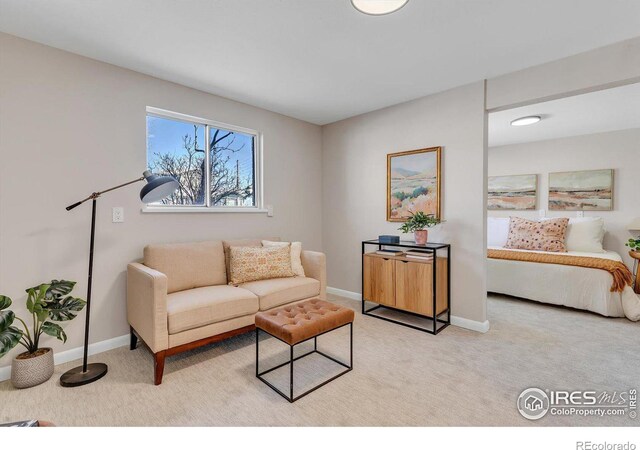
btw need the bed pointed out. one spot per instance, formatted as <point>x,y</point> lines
<point>558,284</point>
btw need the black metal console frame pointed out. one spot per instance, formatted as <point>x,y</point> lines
<point>290,397</point>
<point>439,324</point>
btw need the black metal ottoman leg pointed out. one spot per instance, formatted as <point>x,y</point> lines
<point>351,345</point>
<point>289,396</point>
<point>291,374</point>
<point>257,350</point>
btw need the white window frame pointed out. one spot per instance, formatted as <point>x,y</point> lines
<point>207,207</point>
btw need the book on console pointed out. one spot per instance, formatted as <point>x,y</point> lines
<point>389,252</point>
<point>419,252</point>
<point>420,257</point>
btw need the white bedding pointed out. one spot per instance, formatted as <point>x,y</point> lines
<point>576,287</point>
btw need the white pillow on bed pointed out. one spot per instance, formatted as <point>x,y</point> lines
<point>497,231</point>
<point>585,234</point>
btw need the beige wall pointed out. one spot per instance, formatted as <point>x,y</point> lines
<point>618,150</point>
<point>71,125</point>
<point>608,66</point>
<point>354,186</point>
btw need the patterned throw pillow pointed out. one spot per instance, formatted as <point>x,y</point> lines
<point>259,263</point>
<point>547,236</point>
<point>296,251</point>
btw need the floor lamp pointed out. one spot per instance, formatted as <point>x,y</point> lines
<point>157,188</point>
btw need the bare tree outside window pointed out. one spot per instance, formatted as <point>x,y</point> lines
<point>178,149</point>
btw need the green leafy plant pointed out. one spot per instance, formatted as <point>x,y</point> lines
<point>634,244</point>
<point>48,303</point>
<point>419,221</point>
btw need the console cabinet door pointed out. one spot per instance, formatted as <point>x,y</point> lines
<point>379,280</point>
<point>414,286</point>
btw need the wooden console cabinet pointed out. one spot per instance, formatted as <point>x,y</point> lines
<point>408,285</point>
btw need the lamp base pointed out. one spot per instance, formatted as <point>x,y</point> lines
<point>76,377</point>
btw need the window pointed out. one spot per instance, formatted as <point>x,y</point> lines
<point>216,165</point>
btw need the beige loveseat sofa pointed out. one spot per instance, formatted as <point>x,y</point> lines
<point>178,297</point>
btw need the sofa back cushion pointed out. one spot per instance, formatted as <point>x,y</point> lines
<point>188,265</point>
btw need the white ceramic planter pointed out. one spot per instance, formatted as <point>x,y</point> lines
<point>30,372</point>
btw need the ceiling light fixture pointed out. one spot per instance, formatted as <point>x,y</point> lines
<point>378,7</point>
<point>528,120</point>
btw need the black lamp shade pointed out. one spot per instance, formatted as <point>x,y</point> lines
<point>157,187</point>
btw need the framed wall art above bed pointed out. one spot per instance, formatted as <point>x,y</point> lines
<point>512,192</point>
<point>586,190</point>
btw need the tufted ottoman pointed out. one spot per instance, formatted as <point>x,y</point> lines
<point>298,323</point>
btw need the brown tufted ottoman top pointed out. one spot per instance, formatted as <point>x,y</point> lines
<point>304,320</point>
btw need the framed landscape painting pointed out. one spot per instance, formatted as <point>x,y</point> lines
<point>587,190</point>
<point>517,192</point>
<point>413,183</point>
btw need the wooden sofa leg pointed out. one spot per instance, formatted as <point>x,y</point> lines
<point>134,339</point>
<point>159,366</point>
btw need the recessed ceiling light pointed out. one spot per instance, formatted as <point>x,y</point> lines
<point>378,7</point>
<point>522,121</point>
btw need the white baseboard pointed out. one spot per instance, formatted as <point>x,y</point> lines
<point>473,325</point>
<point>343,293</point>
<point>77,353</point>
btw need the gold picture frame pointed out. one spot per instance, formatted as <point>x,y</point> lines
<point>412,182</point>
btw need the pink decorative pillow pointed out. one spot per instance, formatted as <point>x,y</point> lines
<point>547,236</point>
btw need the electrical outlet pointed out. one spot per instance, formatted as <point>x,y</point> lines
<point>541,213</point>
<point>117,214</point>
<point>580,214</point>
<point>269,210</point>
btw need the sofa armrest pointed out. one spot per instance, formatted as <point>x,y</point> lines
<point>147,305</point>
<point>315,266</point>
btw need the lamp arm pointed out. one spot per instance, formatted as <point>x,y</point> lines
<point>98,194</point>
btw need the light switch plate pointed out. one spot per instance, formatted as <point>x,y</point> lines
<point>269,210</point>
<point>117,214</point>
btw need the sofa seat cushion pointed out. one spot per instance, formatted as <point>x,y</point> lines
<point>278,291</point>
<point>198,307</point>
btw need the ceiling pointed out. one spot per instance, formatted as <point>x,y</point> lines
<point>596,112</point>
<point>321,60</point>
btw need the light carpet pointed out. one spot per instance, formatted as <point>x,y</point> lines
<point>401,377</point>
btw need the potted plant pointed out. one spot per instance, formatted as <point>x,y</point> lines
<point>634,245</point>
<point>417,223</point>
<point>48,303</point>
